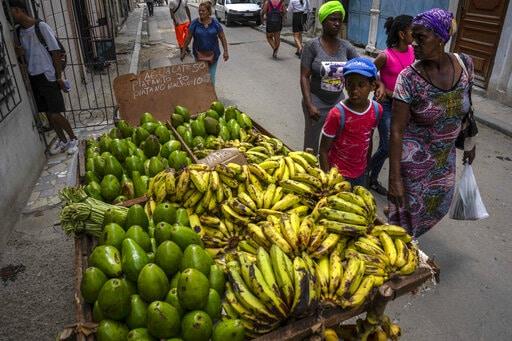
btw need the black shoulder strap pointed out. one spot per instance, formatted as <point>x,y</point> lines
<point>39,35</point>
<point>177,8</point>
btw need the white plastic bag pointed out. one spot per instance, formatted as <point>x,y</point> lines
<point>467,203</point>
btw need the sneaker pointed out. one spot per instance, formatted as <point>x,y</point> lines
<point>72,146</point>
<point>58,147</point>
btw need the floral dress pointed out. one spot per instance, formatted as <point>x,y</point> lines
<point>427,164</point>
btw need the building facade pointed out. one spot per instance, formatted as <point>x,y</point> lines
<point>481,24</point>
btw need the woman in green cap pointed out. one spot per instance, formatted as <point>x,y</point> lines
<point>321,72</point>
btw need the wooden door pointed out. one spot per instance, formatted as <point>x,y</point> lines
<point>480,23</point>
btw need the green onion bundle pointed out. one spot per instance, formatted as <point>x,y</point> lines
<point>83,214</point>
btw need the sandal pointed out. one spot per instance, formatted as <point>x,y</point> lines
<point>377,187</point>
<point>274,54</point>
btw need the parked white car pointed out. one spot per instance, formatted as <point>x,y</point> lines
<point>229,11</point>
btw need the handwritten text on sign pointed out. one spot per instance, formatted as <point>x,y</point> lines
<point>174,76</point>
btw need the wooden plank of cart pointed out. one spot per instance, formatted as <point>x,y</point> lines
<point>146,92</point>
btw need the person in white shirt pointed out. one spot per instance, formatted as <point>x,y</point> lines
<point>180,14</point>
<point>298,8</point>
<point>44,65</point>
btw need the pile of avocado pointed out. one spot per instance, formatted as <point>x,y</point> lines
<point>119,164</point>
<point>151,279</point>
<point>211,128</point>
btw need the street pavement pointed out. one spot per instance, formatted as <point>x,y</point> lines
<point>473,301</point>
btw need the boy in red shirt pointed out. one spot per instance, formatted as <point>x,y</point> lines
<point>346,140</point>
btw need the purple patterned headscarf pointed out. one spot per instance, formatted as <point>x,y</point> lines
<point>438,20</point>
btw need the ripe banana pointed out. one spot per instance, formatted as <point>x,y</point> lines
<point>389,247</point>
<point>391,230</point>
<point>327,245</point>
<point>296,187</point>
<point>345,205</point>
<point>301,281</point>
<point>264,263</point>
<point>335,272</point>
<point>287,202</point>
<point>322,273</point>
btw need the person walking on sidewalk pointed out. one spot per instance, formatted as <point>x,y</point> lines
<point>321,72</point>
<point>298,8</point>
<point>151,7</point>
<point>43,54</point>
<point>206,32</point>
<point>431,98</point>
<point>398,55</point>
<point>273,12</point>
<point>180,14</point>
<point>346,141</point>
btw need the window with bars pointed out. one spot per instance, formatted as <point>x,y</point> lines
<point>9,91</point>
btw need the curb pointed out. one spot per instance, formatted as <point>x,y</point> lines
<point>134,63</point>
<point>499,125</point>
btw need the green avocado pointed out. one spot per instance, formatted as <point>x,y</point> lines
<point>107,259</point>
<point>217,279</point>
<point>172,299</point>
<point>163,231</point>
<point>184,236</point>
<point>193,289</point>
<point>165,211</point>
<point>104,143</point>
<point>127,188</point>
<point>169,147</point>
<point>197,258</point>
<point>150,127</point>
<point>140,237</point>
<point>198,128</point>
<point>151,146</point>
<point>218,107</point>
<point>133,259</point>
<point>163,320</point>
<point>137,216</point>
<point>125,128</point>
<point>178,159</point>
<point>183,112</point>
<point>93,189</point>
<point>91,177</point>
<point>140,334</point>
<point>137,316</point>
<point>234,129</point>
<point>174,280</point>
<point>196,326</point>
<point>182,217</point>
<point>139,135</point>
<point>139,185</point>
<point>147,117</point>
<point>212,126</point>
<point>163,134</point>
<point>114,299</point>
<point>168,256</point>
<point>224,133</point>
<point>92,281</point>
<point>214,114</point>
<point>230,113</point>
<point>155,166</point>
<point>109,330</point>
<point>176,120</point>
<point>113,234</point>
<point>99,166</point>
<point>97,314</point>
<point>113,167</point>
<point>152,283</point>
<point>133,163</point>
<point>114,216</point>
<point>231,330</point>
<point>213,305</point>
<point>119,149</point>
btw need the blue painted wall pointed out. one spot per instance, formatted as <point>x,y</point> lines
<point>392,8</point>
<point>359,16</point>
<point>358,21</point>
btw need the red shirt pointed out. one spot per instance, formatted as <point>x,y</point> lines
<point>349,150</point>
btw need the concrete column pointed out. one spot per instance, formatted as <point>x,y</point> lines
<point>374,25</point>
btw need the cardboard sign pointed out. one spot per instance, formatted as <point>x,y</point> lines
<point>224,156</point>
<point>159,90</point>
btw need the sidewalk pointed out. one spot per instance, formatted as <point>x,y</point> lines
<point>489,112</point>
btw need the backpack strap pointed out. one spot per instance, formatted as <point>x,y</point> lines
<point>376,111</point>
<point>341,109</point>
<point>40,36</point>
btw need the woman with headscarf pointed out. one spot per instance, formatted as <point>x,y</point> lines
<point>321,72</point>
<point>430,99</point>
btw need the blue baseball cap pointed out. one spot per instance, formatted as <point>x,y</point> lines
<point>360,65</point>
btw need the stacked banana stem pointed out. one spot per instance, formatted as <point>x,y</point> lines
<point>267,288</point>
